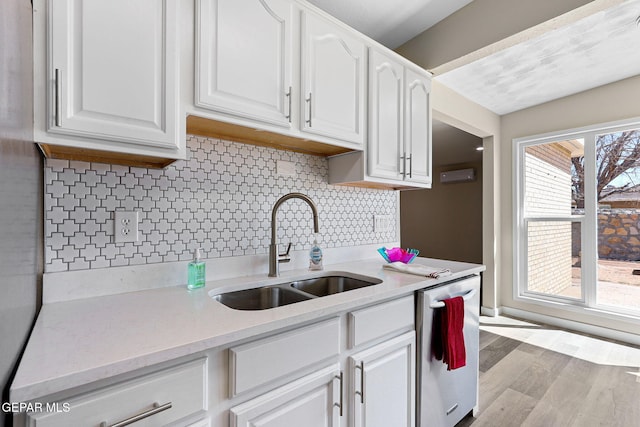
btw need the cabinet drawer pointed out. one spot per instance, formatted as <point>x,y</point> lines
<point>259,362</point>
<point>183,388</point>
<point>380,320</point>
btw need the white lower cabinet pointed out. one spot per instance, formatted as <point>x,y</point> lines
<point>383,384</point>
<point>370,381</point>
<point>311,401</point>
<point>356,369</point>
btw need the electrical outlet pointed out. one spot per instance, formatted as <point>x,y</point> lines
<point>284,168</point>
<point>382,223</point>
<point>126,226</point>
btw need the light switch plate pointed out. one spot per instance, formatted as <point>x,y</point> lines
<point>382,223</point>
<point>126,226</point>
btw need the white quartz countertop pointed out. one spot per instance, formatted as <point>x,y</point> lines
<point>74,343</point>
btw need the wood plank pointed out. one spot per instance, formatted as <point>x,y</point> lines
<point>614,399</point>
<point>536,380</point>
<point>500,377</point>
<point>496,351</point>
<point>100,156</point>
<point>569,378</point>
<point>511,408</point>
<point>486,338</point>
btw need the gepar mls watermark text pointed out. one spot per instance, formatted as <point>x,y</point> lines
<point>35,407</point>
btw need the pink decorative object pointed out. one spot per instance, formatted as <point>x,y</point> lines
<point>398,254</point>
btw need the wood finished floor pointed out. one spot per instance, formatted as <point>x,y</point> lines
<point>533,375</point>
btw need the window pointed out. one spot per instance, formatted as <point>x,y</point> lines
<point>577,218</point>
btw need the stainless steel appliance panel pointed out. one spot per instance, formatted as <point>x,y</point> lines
<point>445,397</point>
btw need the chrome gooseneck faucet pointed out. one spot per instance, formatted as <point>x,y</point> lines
<point>273,247</point>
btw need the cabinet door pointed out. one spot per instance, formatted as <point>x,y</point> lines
<point>312,401</point>
<point>333,80</point>
<point>383,384</point>
<point>418,126</point>
<point>385,116</point>
<point>112,70</point>
<point>243,58</point>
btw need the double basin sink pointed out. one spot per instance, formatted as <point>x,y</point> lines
<point>266,297</point>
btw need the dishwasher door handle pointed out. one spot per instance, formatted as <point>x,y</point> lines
<point>466,297</point>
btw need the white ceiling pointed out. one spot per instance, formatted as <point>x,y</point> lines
<point>597,50</point>
<point>390,23</point>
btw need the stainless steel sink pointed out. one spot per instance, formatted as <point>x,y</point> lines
<point>265,297</point>
<point>328,285</point>
<point>261,298</point>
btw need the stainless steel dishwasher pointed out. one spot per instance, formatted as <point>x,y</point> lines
<point>445,397</point>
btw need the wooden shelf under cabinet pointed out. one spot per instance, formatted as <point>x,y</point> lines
<point>232,132</point>
<point>101,156</point>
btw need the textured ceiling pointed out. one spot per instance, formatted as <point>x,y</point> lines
<point>597,50</point>
<point>390,23</point>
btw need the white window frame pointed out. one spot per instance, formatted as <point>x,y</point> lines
<point>588,221</point>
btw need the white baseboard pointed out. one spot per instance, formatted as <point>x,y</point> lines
<point>568,324</point>
<point>491,312</point>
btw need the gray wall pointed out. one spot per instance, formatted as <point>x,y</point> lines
<point>20,191</point>
<point>445,221</point>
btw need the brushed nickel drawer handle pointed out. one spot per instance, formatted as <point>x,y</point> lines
<point>58,122</point>
<point>309,101</point>
<point>156,409</point>
<point>404,165</point>
<point>340,405</point>
<point>288,95</point>
<point>361,392</point>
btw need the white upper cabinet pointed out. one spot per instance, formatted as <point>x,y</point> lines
<point>107,75</point>
<point>400,123</point>
<point>243,58</point>
<point>386,127</point>
<point>418,126</point>
<point>333,73</point>
<point>398,152</point>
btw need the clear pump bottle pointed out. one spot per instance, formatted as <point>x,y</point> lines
<point>197,274</point>
<point>315,256</point>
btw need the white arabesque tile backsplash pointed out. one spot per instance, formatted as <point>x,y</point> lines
<point>219,200</point>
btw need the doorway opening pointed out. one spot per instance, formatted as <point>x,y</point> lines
<point>446,221</point>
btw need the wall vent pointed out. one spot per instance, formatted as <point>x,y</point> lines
<point>461,175</point>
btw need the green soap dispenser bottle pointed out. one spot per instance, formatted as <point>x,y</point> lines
<point>197,273</point>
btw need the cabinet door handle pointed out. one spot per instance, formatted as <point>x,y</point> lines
<point>340,405</point>
<point>308,100</point>
<point>361,392</point>
<point>57,97</point>
<point>404,164</point>
<point>156,409</point>
<point>288,95</point>
<point>410,165</point>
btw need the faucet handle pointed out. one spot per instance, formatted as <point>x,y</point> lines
<point>285,255</point>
